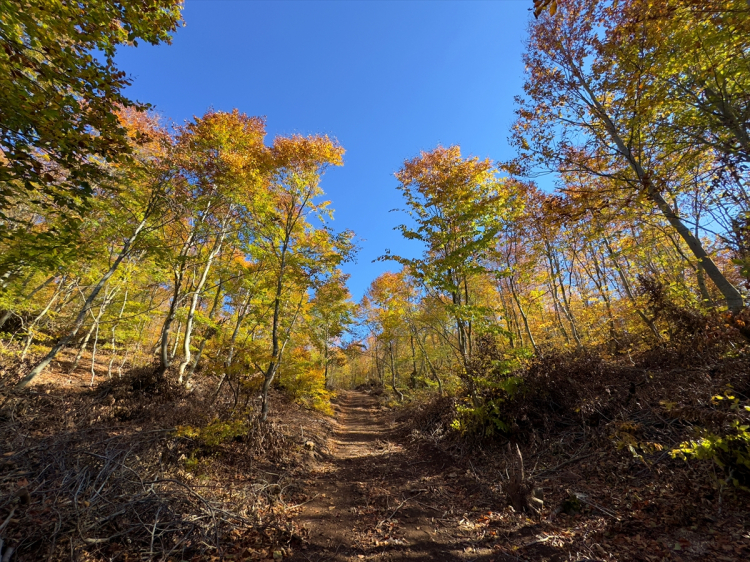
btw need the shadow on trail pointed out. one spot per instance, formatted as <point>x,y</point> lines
<point>380,495</point>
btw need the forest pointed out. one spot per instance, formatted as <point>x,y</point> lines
<point>560,375</point>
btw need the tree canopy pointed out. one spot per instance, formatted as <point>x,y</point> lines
<point>59,92</point>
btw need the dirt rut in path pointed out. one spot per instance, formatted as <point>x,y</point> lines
<point>379,496</point>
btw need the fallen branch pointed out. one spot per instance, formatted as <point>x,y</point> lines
<point>399,507</point>
<point>7,520</point>
<point>584,499</point>
<point>429,506</point>
<point>566,463</point>
<point>303,503</point>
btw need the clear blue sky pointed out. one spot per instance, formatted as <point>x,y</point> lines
<point>386,78</point>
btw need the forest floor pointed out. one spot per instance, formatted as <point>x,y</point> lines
<point>380,492</point>
<point>108,475</point>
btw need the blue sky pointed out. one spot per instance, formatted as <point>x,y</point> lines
<point>386,78</point>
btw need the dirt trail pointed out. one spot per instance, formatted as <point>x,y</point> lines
<point>378,496</point>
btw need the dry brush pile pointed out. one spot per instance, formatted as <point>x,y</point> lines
<point>136,469</point>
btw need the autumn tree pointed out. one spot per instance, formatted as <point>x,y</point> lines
<point>60,89</point>
<point>134,204</point>
<point>458,206</point>
<point>332,312</point>
<point>385,307</point>
<point>225,165</point>
<point>595,104</point>
<point>297,254</point>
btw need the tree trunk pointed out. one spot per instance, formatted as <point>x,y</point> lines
<point>506,316</point>
<point>94,326</point>
<point>378,366</point>
<point>326,359</point>
<point>523,315</point>
<point>241,313</point>
<point>414,371</point>
<point>211,313</point>
<point>733,297</point>
<point>93,355</point>
<point>433,371</point>
<point>82,347</point>
<point>701,280</point>
<point>30,335</point>
<point>270,372</point>
<point>554,276</point>
<point>519,489</point>
<point>122,364</point>
<point>556,306</point>
<point>114,328</point>
<point>164,357</point>
<point>87,337</point>
<point>177,334</point>
<point>393,374</point>
<point>629,291</point>
<point>178,273</point>
<point>463,330</point>
<point>81,318</point>
<point>274,365</point>
<point>196,295</point>
<point>600,280</point>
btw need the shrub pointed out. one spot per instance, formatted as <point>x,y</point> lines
<point>730,450</point>
<point>215,433</point>
<point>489,376</point>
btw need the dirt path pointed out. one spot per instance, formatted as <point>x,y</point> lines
<point>378,496</point>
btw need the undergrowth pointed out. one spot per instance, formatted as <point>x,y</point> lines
<point>685,396</point>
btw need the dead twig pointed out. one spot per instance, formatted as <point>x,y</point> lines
<point>7,520</point>
<point>583,498</point>
<point>303,503</point>
<point>397,508</point>
<point>566,463</point>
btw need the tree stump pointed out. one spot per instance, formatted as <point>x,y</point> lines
<point>520,491</point>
